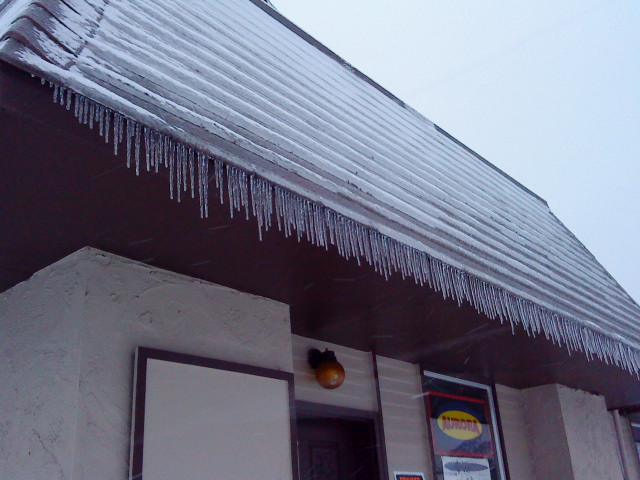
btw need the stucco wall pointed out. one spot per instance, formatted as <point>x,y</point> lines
<point>72,331</point>
<point>515,432</point>
<point>572,435</point>
<point>590,434</point>
<point>69,333</point>
<point>39,371</point>
<point>548,443</point>
<point>405,423</point>
<point>632,461</point>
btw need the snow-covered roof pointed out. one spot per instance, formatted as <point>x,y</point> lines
<point>295,134</point>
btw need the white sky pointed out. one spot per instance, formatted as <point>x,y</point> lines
<point>548,91</point>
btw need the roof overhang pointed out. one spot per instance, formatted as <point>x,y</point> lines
<point>78,193</point>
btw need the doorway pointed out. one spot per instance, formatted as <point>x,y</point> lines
<point>336,443</point>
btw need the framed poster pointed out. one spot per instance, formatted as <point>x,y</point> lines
<point>196,418</point>
<point>463,429</point>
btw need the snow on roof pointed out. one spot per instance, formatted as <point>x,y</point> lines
<point>335,154</point>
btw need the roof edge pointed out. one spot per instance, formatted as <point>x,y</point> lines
<point>324,227</point>
<point>489,164</point>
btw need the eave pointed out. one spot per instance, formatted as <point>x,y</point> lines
<point>79,194</point>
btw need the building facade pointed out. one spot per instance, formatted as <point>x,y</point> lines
<point>157,331</point>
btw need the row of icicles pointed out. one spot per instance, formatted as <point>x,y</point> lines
<point>189,172</point>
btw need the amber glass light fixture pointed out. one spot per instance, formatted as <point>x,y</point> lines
<point>329,372</point>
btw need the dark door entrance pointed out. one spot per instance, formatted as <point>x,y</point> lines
<point>334,447</point>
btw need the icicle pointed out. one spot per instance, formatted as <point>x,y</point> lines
<point>160,148</point>
<point>129,135</point>
<point>261,203</point>
<point>323,227</point>
<point>101,121</point>
<point>257,203</point>
<point>200,162</point>
<point>182,154</point>
<point>218,173</point>
<point>173,153</point>
<point>277,205</point>
<point>178,166</point>
<point>107,114</point>
<point>151,154</point>
<point>121,128</point>
<point>234,201</point>
<point>165,152</point>
<point>206,187</point>
<point>92,114</point>
<point>80,103</point>
<point>85,110</point>
<point>137,148</point>
<point>185,167</point>
<point>192,173</point>
<point>161,143</point>
<point>147,147</point>
<point>243,180</point>
<point>117,132</point>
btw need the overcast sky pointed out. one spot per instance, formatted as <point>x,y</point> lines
<point>548,91</point>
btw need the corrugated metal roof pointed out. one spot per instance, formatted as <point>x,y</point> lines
<point>237,82</point>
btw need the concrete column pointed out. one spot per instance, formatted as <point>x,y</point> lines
<point>572,436</point>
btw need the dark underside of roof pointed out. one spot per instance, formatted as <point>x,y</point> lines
<point>61,189</point>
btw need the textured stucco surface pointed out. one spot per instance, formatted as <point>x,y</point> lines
<point>548,441</point>
<point>571,435</point>
<point>69,335</point>
<point>591,436</point>
<point>515,432</point>
<point>39,374</point>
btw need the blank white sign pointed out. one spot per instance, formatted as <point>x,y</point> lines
<point>204,423</point>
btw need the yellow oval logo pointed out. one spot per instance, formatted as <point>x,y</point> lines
<point>459,425</point>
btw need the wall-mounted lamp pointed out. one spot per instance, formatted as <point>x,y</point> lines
<point>329,372</point>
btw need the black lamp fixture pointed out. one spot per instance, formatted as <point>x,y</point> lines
<point>329,372</point>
